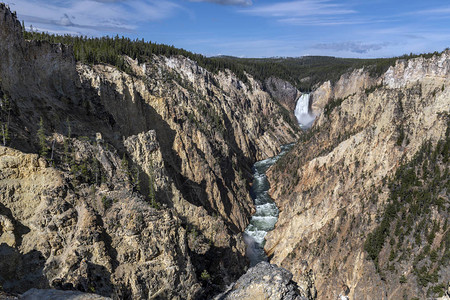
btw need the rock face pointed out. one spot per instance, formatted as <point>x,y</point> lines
<point>333,187</point>
<point>35,294</point>
<point>144,184</point>
<point>49,294</point>
<point>89,238</point>
<point>348,84</point>
<point>264,281</point>
<point>283,91</point>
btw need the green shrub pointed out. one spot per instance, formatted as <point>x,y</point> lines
<point>43,148</point>
<point>205,276</point>
<point>107,203</point>
<point>402,279</point>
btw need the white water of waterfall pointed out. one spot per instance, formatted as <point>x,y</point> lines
<point>304,118</point>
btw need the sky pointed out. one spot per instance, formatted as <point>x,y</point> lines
<point>254,28</point>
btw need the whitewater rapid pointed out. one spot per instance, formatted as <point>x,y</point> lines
<point>302,113</point>
<point>266,214</point>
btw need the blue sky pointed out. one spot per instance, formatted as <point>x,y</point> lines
<point>255,28</point>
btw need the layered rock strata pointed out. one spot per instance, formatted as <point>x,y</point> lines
<point>332,188</point>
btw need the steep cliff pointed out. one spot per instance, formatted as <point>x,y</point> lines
<point>283,92</point>
<point>207,123</point>
<point>348,84</point>
<point>364,194</point>
<point>141,181</point>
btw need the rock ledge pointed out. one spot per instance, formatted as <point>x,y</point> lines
<point>264,281</point>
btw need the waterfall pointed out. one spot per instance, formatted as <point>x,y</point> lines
<point>304,117</point>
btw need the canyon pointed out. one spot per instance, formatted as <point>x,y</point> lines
<point>144,186</point>
<point>146,182</point>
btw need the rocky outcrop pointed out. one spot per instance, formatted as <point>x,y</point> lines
<point>207,234</point>
<point>88,238</point>
<point>38,294</point>
<point>45,69</point>
<point>332,188</point>
<point>348,84</point>
<point>264,281</point>
<point>35,294</point>
<point>283,91</point>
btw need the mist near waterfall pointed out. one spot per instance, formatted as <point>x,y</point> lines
<point>302,113</point>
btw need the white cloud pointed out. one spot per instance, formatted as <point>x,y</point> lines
<point>65,21</point>
<point>109,1</point>
<point>445,11</point>
<point>322,21</point>
<point>227,2</point>
<point>302,8</point>
<point>350,46</point>
<point>91,16</point>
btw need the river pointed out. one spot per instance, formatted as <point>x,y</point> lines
<point>266,214</point>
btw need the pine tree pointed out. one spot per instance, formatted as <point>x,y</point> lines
<point>42,139</point>
<point>151,188</point>
<point>66,143</point>
<point>5,114</point>
<point>124,165</point>
<point>151,192</point>
<point>136,180</point>
<point>97,170</point>
<point>4,133</point>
